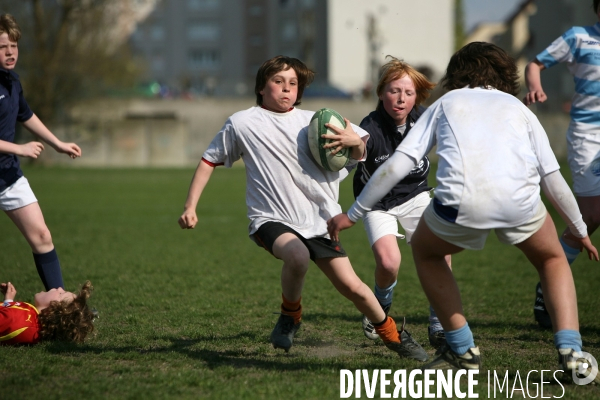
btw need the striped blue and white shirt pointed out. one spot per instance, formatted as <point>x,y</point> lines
<point>579,47</point>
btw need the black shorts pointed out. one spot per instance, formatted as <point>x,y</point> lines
<point>318,247</point>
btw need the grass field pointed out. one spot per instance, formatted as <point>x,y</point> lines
<point>187,314</point>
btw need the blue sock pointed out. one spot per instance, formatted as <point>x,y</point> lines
<point>570,252</point>
<point>48,269</point>
<point>568,339</point>
<point>385,296</point>
<point>460,340</point>
<point>434,322</point>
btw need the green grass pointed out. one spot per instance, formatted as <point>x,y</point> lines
<point>187,314</point>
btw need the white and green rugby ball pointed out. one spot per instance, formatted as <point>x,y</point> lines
<point>323,157</point>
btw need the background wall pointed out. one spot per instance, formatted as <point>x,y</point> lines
<point>175,133</point>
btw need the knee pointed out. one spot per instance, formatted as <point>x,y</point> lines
<point>297,260</point>
<point>388,265</point>
<point>42,237</point>
<point>387,261</point>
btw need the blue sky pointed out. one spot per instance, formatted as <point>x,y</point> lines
<point>477,11</point>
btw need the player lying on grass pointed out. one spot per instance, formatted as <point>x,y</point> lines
<point>289,197</point>
<point>401,90</point>
<point>16,197</point>
<point>579,48</point>
<point>493,157</point>
<point>54,315</point>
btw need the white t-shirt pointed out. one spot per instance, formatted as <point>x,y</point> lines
<point>284,183</point>
<point>492,151</point>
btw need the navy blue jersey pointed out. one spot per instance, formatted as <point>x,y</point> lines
<point>381,145</point>
<point>13,108</point>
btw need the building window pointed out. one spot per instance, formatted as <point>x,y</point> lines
<point>203,59</point>
<point>255,40</point>
<point>197,5</point>
<point>286,4</point>
<point>157,33</point>
<point>289,31</point>
<point>255,11</point>
<point>158,63</point>
<point>203,31</point>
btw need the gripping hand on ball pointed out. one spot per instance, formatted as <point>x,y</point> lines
<point>343,138</point>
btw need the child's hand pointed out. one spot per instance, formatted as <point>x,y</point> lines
<point>31,149</point>
<point>337,224</point>
<point>341,138</point>
<point>535,96</point>
<point>584,243</point>
<point>8,290</point>
<point>188,220</point>
<point>71,149</point>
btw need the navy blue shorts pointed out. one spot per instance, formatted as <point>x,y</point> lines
<point>318,247</point>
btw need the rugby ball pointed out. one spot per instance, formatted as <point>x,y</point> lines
<point>316,128</point>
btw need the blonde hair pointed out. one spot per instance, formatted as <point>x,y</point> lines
<point>395,69</point>
<point>8,25</point>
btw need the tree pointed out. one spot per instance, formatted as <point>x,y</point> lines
<point>459,25</point>
<point>72,49</point>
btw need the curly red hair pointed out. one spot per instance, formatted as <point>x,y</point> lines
<point>69,321</point>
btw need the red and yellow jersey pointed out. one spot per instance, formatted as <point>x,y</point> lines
<point>18,323</point>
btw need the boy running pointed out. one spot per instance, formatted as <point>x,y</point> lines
<point>290,198</point>
<point>401,90</point>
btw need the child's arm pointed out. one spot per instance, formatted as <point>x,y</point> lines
<point>8,290</point>
<point>558,192</point>
<point>535,92</point>
<point>345,138</point>
<point>31,149</point>
<point>189,219</point>
<point>37,127</point>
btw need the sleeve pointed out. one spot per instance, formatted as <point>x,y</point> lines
<point>5,321</point>
<point>381,183</point>
<point>422,138</point>
<point>413,148</point>
<point>541,145</point>
<point>224,148</point>
<point>24,111</point>
<point>561,50</point>
<point>558,192</point>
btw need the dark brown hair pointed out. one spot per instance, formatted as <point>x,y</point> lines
<point>8,25</point>
<point>396,69</point>
<point>282,63</point>
<point>69,321</point>
<point>596,2</point>
<point>482,64</point>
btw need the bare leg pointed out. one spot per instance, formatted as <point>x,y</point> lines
<point>546,255</point>
<point>431,254</point>
<point>30,221</point>
<point>296,259</point>
<point>387,260</point>
<point>342,275</point>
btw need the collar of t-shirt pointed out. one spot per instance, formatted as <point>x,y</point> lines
<point>290,109</point>
<point>401,129</point>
